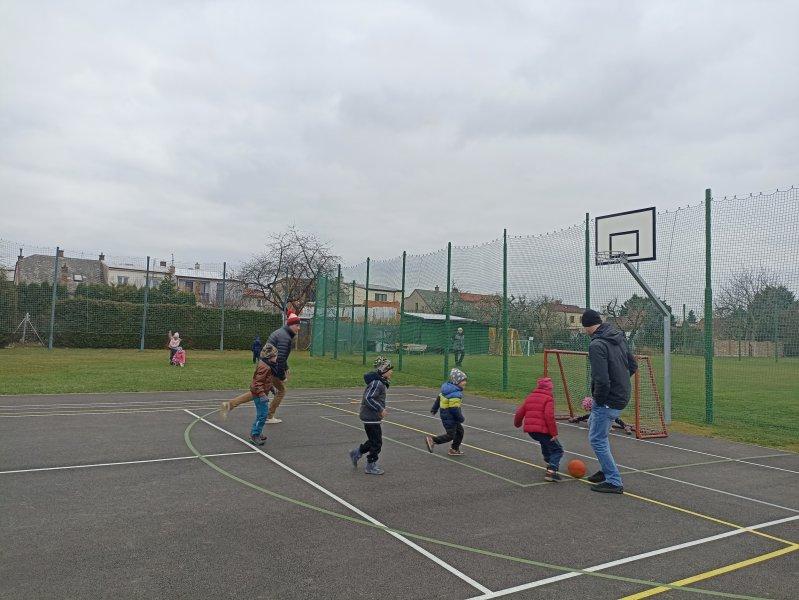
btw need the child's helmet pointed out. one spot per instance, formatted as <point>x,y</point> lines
<point>457,376</point>
<point>383,365</point>
<point>588,403</point>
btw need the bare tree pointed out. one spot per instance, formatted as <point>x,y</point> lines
<point>735,300</point>
<point>285,273</point>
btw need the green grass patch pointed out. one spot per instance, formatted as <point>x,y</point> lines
<point>756,400</point>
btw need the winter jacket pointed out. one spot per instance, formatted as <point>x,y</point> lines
<point>262,379</point>
<point>374,397</point>
<point>459,342</point>
<point>537,412</point>
<point>612,365</point>
<point>449,405</point>
<point>282,339</point>
<point>256,346</point>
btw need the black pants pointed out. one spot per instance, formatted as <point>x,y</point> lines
<point>172,354</point>
<point>255,356</point>
<point>374,433</point>
<point>454,435</point>
<point>458,357</point>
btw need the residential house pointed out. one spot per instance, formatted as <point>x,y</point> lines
<point>128,272</point>
<point>205,284</point>
<point>38,268</point>
<point>571,314</point>
<point>377,293</point>
<point>484,308</point>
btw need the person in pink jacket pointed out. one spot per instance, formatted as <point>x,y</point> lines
<point>537,413</point>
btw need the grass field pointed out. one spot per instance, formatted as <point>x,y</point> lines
<point>756,400</point>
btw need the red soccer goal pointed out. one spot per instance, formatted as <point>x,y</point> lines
<point>571,377</point>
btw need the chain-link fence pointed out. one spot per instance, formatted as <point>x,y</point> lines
<point>492,309</point>
<point>102,301</point>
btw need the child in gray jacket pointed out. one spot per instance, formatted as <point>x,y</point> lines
<point>373,410</point>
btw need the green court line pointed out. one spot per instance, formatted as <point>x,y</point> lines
<point>452,460</point>
<point>480,551</point>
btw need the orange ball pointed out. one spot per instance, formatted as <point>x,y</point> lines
<point>576,468</point>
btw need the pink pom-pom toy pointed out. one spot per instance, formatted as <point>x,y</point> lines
<point>588,403</point>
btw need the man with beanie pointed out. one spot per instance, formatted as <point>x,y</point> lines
<point>283,340</point>
<point>612,365</point>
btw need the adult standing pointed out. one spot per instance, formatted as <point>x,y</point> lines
<point>283,340</point>
<point>612,364</point>
<point>174,344</point>
<point>459,346</point>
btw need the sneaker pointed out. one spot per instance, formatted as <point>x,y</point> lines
<point>428,439</point>
<point>263,438</point>
<point>597,477</point>
<point>628,430</point>
<point>225,409</point>
<point>373,469</point>
<point>455,452</point>
<point>552,475</point>
<point>572,419</point>
<point>256,440</point>
<point>274,420</point>
<point>355,456</point>
<point>607,488</point>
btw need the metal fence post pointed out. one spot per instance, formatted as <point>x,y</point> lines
<point>587,262</point>
<point>402,311</point>
<point>222,324</point>
<point>54,298</point>
<point>505,324</point>
<point>314,319</point>
<point>708,312</point>
<point>144,310</point>
<point>352,320</point>
<point>338,311</point>
<point>324,315</point>
<point>448,310</point>
<point>667,369</point>
<point>366,312</point>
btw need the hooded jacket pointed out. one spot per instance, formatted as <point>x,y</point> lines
<point>449,405</point>
<point>282,339</point>
<point>458,342</point>
<point>262,378</point>
<point>612,365</point>
<point>537,412</point>
<point>374,397</point>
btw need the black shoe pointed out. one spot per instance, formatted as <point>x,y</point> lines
<point>597,477</point>
<point>552,475</point>
<point>607,488</point>
<point>256,440</point>
<point>263,438</point>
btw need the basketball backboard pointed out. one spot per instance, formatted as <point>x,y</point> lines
<point>631,233</point>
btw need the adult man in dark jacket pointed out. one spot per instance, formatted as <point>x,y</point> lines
<point>612,364</point>
<point>283,340</point>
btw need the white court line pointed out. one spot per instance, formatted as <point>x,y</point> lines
<point>632,471</point>
<point>127,462</point>
<point>629,559</point>
<point>354,509</point>
<point>634,439</point>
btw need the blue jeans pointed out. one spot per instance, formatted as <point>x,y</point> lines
<point>261,412</point>
<point>551,449</point>
<point>599,424</point>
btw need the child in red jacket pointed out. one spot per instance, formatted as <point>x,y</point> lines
<point>538,415</point>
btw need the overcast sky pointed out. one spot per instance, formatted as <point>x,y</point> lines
<point>196,128</point>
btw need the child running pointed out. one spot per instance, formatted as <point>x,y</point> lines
<point>373,411</point>
<point>588,404</point>
<point>260,386</point>
<point>449,405</point>
<point>537,412</point>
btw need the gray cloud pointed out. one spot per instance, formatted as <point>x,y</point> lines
<point>196,128</point>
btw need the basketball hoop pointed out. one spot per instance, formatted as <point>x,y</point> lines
<point>610,258</point>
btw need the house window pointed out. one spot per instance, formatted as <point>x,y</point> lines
<point>189,286</point>
<point>122,280</point>
<point>381,297</point>
<point>571,319</point>
<point>417,307</point>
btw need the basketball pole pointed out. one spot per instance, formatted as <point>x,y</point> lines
<point>666,313</point>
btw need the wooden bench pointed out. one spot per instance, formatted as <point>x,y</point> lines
<point>411,348</point>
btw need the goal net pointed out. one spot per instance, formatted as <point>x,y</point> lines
<point>571,377</point>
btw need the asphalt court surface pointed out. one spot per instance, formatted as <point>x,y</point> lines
<point>103,495</point>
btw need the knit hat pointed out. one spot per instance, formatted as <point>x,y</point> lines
<point>460,329</point>
<point>383,365</point>
<point>457,376</point>
<point>268,351</point>
<point>588,403</point>
<point>292,319</point>
<point>590,317</point>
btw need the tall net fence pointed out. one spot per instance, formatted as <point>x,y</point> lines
<point>493,308</point>
<point>107,301</point>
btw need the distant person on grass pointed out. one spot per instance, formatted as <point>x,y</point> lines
<point>373,411</point>
<point>448,404</point>
<point>282,339</point>
<point>459,346</point>
<point>256,349</point>
<point>612,365</point>
<point>174,344</point>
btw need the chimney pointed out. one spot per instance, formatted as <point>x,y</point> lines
<point>197,266</point>
<point>64,273</point>
<point>102,257</point>
<point>60,254</point>
<point>20,257</point>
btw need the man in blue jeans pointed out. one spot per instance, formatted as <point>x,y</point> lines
<point>612,365</point>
